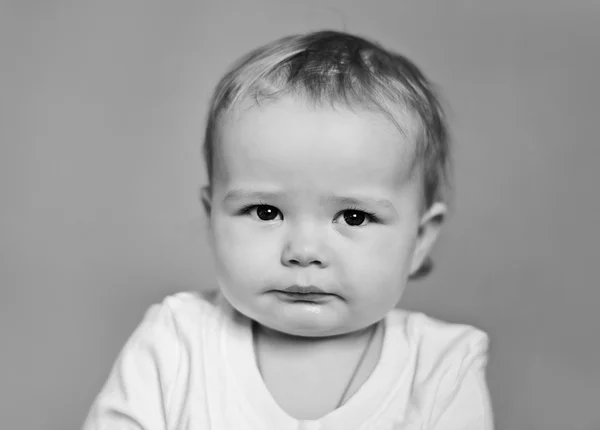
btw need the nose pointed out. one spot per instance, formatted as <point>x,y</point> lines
<point>304,247</point>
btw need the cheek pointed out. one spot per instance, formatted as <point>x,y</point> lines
<point>383,260</point>
<point>240,253</point>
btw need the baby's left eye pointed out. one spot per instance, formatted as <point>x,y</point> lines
<point>357,218</point>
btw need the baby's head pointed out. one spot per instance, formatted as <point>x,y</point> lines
<point>327,161</point>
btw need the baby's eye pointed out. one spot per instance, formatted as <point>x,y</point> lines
<point>262,212</point>
<point>357,218</point>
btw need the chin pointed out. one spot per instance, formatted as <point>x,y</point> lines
<point>297,330</point>
<point>329,322</point>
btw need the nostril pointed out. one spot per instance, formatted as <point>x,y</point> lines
<point>303,263</point>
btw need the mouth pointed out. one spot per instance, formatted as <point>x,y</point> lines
<point>298,289</point>
<point>304,294</point>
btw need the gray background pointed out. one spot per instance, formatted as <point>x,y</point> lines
<point>102,108</point>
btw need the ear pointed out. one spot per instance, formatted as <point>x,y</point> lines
<point>206,197</point>
<point>429,229</point>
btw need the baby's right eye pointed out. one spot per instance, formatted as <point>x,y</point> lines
<point>262,212</point>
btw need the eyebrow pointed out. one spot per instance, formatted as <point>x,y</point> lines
<point>249,195</point>
<point>361,200</point>
<point>240,194</point>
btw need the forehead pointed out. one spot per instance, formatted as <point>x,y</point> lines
<point>288,141</point>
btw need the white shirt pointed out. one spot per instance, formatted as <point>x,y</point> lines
<point>190,365</point>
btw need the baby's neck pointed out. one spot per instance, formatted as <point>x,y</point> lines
<point>311,376</point>
<point>272,343</point>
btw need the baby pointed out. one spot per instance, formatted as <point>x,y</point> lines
<point>327,160</point>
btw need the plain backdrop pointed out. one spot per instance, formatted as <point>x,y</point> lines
<point>102,109</point>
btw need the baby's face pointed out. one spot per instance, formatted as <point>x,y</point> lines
<point>319,197</point>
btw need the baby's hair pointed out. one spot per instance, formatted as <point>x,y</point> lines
<point>339,68</point>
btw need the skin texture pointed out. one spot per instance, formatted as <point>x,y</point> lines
<point>291,183</point>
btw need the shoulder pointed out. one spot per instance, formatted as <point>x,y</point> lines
<point>447,366</point>
<point>153,366</point>
<point>166,324</point>
<point>181,312</point>
<point>442,346</point>
<point>170,332</point>
<point>442,337</point>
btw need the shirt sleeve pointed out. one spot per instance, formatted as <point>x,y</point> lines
<point>466,404</point>
<point>136,393</point>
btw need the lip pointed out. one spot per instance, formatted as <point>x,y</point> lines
<point>299,289</point>
<point>303,297</point>
<point>304,294</point>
